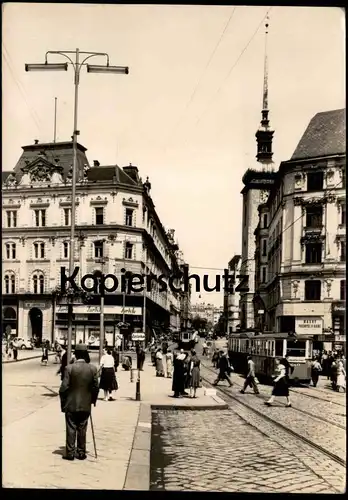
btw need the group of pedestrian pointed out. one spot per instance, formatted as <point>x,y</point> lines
<point>186,374</point>
<point>11,349</point>
<point>333,365</point>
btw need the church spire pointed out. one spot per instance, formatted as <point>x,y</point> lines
<point>264,135</point>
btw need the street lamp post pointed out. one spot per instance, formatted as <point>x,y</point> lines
<point>77,65</point>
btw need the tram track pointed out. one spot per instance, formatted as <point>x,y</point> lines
<point>264,398</point>
<point>317,397</point>
<point>276,423</point>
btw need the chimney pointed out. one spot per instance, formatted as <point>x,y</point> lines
<point>36,141</point>
<point>96,163</point>
<point>132,172</point>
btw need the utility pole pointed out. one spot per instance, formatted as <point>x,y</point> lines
<point>77,65</point>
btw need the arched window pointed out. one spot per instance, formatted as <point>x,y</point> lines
<point>10,283</point>
<point>65,250</point>
<point>38,282</point>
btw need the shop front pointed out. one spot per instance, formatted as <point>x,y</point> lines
<point>338,310</point>
<point>86,323</point>
<point>9,317</point>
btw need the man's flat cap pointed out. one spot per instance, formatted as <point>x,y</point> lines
<point>81,347</point>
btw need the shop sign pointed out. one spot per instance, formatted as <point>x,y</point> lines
<point>338,347</point>
<point>338,307</point>
<point>30,305</point>
<point>138,336</point>
<point>307,325</point>
<point>340,338</point>
<point>82,309</point>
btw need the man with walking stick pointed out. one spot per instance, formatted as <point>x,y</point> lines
<point>78,391</point>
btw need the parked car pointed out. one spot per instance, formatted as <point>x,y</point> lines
<point>23,343</point>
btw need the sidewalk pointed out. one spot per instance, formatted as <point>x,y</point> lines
<point>33,446</point>
<point>25,354</point>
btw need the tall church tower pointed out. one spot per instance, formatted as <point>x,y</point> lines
<point>257,183</point>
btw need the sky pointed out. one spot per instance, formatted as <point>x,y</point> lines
<point>188,111</point>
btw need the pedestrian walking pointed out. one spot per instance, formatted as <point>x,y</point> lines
<point>195,375</point>
<point>224,369</point>
<point>341,376</point>
<point>44,358</point>
<point>178,385</point>
<point>169,364</point>
<point>15,349</point>
<point>159,364</point>
<point>205,349</point>
<point>116,356</point>
<point>108,380</point>
<point>315,371</point>
<point>187,362</point>
<point>127,363</point>
<point>78,391</point>
<point>281,387</point>
<point>333,375</point>
<point>215,358</point>
<point>250,378</point>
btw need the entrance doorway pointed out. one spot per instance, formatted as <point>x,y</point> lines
<point>9,321</point>
<point>35,319</point>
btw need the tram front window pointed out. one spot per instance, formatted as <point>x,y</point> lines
<point>279,348</point>
<point>296,349</point>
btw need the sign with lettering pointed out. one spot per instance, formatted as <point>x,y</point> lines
<point>83,309</point>
<point>308,325</point>
<point>138,336</point>
<point>30,305</point>
<point>338,307</point>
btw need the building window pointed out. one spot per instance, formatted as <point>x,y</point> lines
<point>67,216</point>
<point>343,215</point>
<point>129,251</point>
<point>10,283</point>
<point>264,248</point>
<point>343,251</point>
<point>315,181</point>
<point>265,221</point>
<point>65,250</point>
<point>313,253</point>
<point>312,290</point>
<point>38,283</point>
<point>343,290</point>
<point>99,216</point>
<point>10,250</point>
<point>98,249</point>
<point>314,216</point>
<point>39,250</point>
<point>40,218</point>
<point>263,275</point>
<point>129,217</point>
<point>11,218</point>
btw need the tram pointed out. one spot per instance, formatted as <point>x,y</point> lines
<point>188,339</point>
<point>266,348</point>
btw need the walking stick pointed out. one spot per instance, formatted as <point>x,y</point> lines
<point>92,427</point>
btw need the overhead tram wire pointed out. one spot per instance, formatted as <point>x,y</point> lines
<point>202,74</point>
<point>231,69</point>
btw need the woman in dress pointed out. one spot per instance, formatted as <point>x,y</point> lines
<point>178,385</point>
<point>281,387</point>
<point>159,364</point>
<point>195,375</point>
<point>169,363</point>
<point>341,376</point>
<point>108,378</point>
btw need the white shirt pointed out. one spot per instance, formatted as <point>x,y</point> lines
<point>107,361</point>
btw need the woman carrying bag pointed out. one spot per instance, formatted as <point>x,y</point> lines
<point>108,380</point>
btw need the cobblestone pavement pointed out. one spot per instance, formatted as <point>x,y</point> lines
<point>223,451</point>
<point>329,436</point>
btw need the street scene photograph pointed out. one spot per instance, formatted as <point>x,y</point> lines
<point>173,248</point>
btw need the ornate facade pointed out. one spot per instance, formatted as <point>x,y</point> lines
<point>117,227</point>
<point>301,238</point>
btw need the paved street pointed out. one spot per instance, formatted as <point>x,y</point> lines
<point>238,450</point>
<point>220,451</point>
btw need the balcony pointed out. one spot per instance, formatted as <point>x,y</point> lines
<point>315,229</point>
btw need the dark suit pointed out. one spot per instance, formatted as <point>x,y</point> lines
<point>78,391</point>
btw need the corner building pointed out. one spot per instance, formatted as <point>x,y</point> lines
<point>301,238</point>
<point>117,227</point>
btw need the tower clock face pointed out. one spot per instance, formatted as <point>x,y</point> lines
<point>263,196</point>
